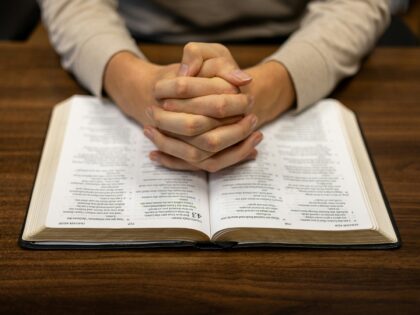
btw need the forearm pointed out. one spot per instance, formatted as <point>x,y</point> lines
<point>86,34</point>
<point>332,39</point>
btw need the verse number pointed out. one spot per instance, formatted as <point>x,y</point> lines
<point>195,215</point>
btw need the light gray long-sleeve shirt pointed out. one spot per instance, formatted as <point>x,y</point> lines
<point>329,38</point>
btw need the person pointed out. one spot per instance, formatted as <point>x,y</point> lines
<point>204,112</point>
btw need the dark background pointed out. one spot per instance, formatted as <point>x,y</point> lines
<point>18,18</point>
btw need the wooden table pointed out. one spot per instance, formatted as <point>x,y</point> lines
<point>386,97</point>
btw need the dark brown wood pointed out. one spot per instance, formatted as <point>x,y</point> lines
<point>386,97</point>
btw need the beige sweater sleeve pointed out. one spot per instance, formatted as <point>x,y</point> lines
<point>333,37</point>
<point>81,32</point>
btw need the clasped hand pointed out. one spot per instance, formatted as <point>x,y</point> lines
<point>200,113</point>
<point>203,120</point>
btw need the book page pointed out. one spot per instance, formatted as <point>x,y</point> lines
<point>106,180</point>
<point>303,178</point>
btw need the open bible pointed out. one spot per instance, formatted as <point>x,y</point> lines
<point>312,184</point>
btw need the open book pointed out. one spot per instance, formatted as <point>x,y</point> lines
<point>311,184</point>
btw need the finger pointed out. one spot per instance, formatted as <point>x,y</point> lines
<point>225,68</point>
<point>178,164</point>
<point>222,137</point>
<point>232,155</point>
<point>195,54</point>
<point>217,106</point>
<point>184,123</point>
<point>172,162</point>
<point>175,147</point>
<point>223,122</point>
<point>188,87</point>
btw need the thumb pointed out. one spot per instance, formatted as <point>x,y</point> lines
<point>195,54</point>
<point>225,68</point>
<point>192,60</point>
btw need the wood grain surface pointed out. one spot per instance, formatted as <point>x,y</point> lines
<point>386,97</point>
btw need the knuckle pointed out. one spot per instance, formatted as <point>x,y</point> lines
<point>193,155</point>
<point>222,48</point>
<point>212,143</point>
<point>221,107</point>
<point>181,87</point>
<point>192,127</point>
<point>191,47</point>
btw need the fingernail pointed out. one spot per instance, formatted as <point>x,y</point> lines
<point>242,76</point>
<point>183,69</point>
<point>148,132</point>
<point>154,156</point>
<point>254,121</point>
<point>258,139</point>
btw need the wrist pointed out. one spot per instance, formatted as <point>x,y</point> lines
<point>125,68</point>
<point>128,80</point>
<point>272,89</point>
